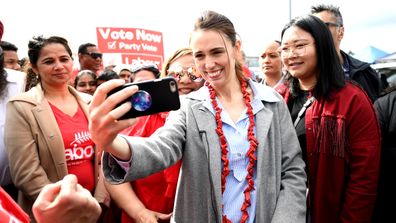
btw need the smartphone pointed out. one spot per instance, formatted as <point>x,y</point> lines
<point>153,96</point>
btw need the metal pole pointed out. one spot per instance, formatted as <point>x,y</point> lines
<point>290,7</point>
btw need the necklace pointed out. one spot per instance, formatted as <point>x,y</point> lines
<point>251,153</point>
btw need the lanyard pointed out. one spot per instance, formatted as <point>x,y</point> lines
<point>303,109</point>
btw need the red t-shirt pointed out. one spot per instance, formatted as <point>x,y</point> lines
<point>79,147</point>
<point>157,191</point>
<point>10,212</point>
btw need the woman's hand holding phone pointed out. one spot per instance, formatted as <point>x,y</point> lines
<point>104,115</point>
<point>153,96</point>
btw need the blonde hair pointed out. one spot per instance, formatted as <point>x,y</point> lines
<point>176,55</point>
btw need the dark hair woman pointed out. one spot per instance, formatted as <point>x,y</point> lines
<point>46,131</point>
<point>335,122</point>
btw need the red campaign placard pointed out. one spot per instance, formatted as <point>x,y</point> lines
<point>129,40</point>
<point>142,59</point>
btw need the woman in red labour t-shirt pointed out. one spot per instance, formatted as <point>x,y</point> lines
<point>152,198</point>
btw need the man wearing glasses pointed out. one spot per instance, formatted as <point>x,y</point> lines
<point>354,69</point>
<point>90,58</point>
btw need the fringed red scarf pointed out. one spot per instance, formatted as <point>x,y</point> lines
<point>251,153</point>
<point>334,126</point>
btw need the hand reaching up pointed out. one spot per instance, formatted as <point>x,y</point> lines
<point>66,201</point>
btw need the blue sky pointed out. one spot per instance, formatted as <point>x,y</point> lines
<point>257,21</point>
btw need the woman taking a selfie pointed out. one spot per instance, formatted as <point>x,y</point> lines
<point>241,161</point>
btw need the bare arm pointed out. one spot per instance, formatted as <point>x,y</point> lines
<point>125,197</point>
<point>127,200</point>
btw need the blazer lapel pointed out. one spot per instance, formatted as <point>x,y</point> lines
<point>52,135</point>
<point>207,126</point>
<point>263,123</point>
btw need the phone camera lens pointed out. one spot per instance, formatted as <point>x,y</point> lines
<point>173,86</point>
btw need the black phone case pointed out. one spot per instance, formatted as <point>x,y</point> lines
<point>163,93</point>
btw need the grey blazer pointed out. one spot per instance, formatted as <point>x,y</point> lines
<point>189,134</point>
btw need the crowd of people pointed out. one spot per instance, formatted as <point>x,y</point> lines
<point>311,142</point>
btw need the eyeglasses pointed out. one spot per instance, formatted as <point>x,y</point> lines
<point>94,55</point>
<point>298,49</point>
<point>178,72</point>
<point>329,24</point>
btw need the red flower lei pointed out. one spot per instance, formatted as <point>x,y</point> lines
<point>250,153</point>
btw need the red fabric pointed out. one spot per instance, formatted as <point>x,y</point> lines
<point>10,211</point>
<point>283,89</point>
<point>343,154</point>
<point>157,192</point>
<point>1,30</point>
<point>146,125</point>
<point>79,147</point>
<point>76,70</point>
<point>246,71</point>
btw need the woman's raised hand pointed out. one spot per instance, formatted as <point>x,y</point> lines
<point>103,118</point>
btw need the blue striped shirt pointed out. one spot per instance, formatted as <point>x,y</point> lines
<point>238,145</point>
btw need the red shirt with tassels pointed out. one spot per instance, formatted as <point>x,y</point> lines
<point>343,155</point>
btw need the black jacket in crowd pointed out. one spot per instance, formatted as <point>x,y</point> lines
<point>385,206</point>
<point>364,75</point>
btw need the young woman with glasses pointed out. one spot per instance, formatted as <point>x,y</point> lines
<point>335,122</point>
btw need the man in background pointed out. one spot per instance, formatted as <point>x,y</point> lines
<point>12,82</point>
<point>90,58</point>
<point>10,53</point>
<point>354,69</point>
